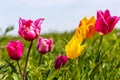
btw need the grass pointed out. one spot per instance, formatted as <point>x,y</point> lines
<point>88,66</point>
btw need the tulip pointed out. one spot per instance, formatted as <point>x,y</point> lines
<point>85,29</point>
<point>60,61</point>
<point>81,32</point>
<point>15,49</point>
<point>89,23</point>
<point>44,45</point>
<point>105,22</point>
<point>73,48</point>
<point>29,29</point>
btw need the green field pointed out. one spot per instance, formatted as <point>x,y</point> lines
<point>88,66</point>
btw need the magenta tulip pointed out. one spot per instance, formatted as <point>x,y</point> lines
<point>15,49</point>
<point>44,45</point>
<point>60,61</point>
<point>105,22</point>
<point>29,29</point>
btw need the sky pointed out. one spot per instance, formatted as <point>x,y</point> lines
<point>60,15</point>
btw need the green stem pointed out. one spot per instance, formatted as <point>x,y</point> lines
<point>40,59</point>
<point>95,69</point>
<point>28,54</point>
<point>99,46</point>
<point>19,69</point>
<point>99,49</point>
<point>98,60</point>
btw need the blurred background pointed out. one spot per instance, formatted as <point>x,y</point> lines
<point>60,15</point>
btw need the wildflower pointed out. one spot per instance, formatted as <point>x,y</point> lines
<point>29,29</point>
<point>44,45</point>
<point>105,22</point>
<point>15,49</point>
<point>73,48</point>
<point>60,61</point>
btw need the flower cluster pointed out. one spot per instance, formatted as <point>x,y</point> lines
<point>104,24</point>
<point>30,30</point>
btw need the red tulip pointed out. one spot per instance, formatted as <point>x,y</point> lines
<point>60,61</point>
<point>105,22</point>
<point>44,45</point>
<point>29,29</point>
<point>15,49</point>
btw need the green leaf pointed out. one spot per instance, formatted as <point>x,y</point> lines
<point>8,29</point>
<point>3,69</point>
<point>16,76</point>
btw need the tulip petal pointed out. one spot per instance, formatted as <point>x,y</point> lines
<point>106,14</point>
<point>112,21</point>
<point>38,22</point>
<point>100,14</point>
<point>21,22</point>
<point>73,48</point>
<point>101,26</point>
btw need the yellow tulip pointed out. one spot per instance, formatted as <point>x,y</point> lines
<point>73,48</point>
<point>90,26</point>
<point>85,30</point>
<point>81,31</point>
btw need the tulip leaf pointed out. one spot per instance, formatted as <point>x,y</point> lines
<point>3,69</point>
<point>16,76</point>
<point>8,29</point>
<point>13,68</point>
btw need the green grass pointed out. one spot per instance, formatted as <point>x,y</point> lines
<point>88,66</point>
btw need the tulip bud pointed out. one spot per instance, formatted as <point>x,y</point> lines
<point>60,61</point>
<point>15,49</point>
<point>44,45</point>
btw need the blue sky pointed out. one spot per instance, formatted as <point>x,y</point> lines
<point>60,15</point>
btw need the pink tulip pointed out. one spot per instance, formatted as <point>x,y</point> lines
<point>15,49</point>
<point>105,22</point>
<point>44,45</point>
<point>60,61</point>
<point>29,29</point>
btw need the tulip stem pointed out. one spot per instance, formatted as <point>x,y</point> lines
<point>100,43</point>
<point>28,54</point>
<point>99,49</point>
<point>98,59</point>
<point>40,59</point>
<point>19,68</point>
